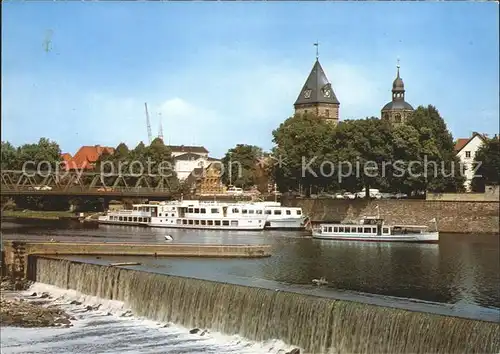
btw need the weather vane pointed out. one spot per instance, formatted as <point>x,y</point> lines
<point>317,49</point>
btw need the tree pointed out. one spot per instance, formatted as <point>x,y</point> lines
<point>362,149</point>
<point>302,140</point>
<point>9,156</point>
<point>437,153</point>
<point>487,160</point>
<point>240,165</point>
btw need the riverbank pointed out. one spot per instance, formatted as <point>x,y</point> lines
<point>451,216</point>
<point>41,215</point>
<point>18,312</point>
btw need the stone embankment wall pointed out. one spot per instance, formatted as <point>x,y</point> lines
<point>453,217</point>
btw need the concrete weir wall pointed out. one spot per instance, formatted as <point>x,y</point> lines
<point>452,216</point>
<point>16,254</point>
<point>314,324</point>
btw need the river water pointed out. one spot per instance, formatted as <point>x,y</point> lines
<point>462,272</point>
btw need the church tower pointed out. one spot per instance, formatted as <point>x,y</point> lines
<point>398,110</point>
<point>317,96</point>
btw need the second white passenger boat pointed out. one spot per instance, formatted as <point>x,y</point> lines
<point>375,230</point>
<point>139,215</point>
<point>194,214</point>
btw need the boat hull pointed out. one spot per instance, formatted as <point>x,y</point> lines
<point>285,224</point>
<point>428,237</point>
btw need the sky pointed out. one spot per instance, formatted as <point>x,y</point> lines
<point>219,74</point>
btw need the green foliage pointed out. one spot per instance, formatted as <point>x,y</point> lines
<point>9,156</point>
<point>368,153</point>
<point>487,161</point>
<point>240,165</point>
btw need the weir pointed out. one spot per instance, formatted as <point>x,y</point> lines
<point>315,324</point>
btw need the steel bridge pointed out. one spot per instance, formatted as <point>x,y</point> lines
<point>75,183</point>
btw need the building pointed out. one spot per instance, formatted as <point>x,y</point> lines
<point>206,180</point>
<point>466,149</point>
<point>188,158</point>
<point>398,110</point>
<point>85,158</point>
<point>317,96</point>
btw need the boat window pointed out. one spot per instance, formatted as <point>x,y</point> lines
<point>210,222</point>
<point>234,222</point>
<point>259,212</point>
<point>225,222</point>
<point>277,212</point>
<point>159,214</point>
<point>236,210</point>
<point>325,228</point>
<point>197,222</point>
<point>244,211</point>
<point>215,210</point>
<point>196,210</point>
<point>179,221</point>
<point>135,219</point>
<point>341,229</point>
<point>335,229</point>
<point>385,230</point>
<point>288,212</point>
<point>184,221</point>
<point>217,222</point>
<point>251,211</point>
<point>190,210</point>
<point>360,230</point>
<point>347,229</point>
<point>268,212</point>
<point>374,230</point>
<point>135,208</point>
<point>190,222</point>
<point>203,222</point>
<point>330,229</point>
<point>120,218</point>
<point>299,212</point>
<point>130,218</point>
<point>367,230</point>
<point>203,211</point>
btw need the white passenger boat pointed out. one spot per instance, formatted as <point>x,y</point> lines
<point>140,214</point>
<point>194,214</point>
<point>374,229</point>
<point>281,217</point>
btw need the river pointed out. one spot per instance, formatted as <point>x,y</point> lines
<point>461,273</point>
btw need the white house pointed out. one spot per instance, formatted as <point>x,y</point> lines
<point>466,149</point>
<point>187,158</point>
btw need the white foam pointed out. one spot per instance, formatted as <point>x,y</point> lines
<point>105,330</point>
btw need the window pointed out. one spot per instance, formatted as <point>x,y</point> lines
<point>190,210</point>
<point>467,154</point>
<point>217,222</point>
<point>299,212</point>
<point>325,229</point>
<point>335,229</point>
<point>159,214</point>
<point>210,223</point>
<point>197,222</point>
<point>397,118</point>
<point>329,229</point>
<point>367,230</point>
<point>215,210</point>
<point>197,210</point>
<point>244,211</point>
<point>341,229</point>
<point>277,212</point>
<point>135,219</point>
<point>347,229</point>
<point>268,212</point>
<point>184,222</point>
<point>360,230</point>
<point>190,222</point>
<point>259,212</point>
<point>251,211</point>
<point>225,222</point>
<point>385,230</point>
<point>327,113</point>
<point>236,210</point>
<point>288,212</point>
<point>203,210</point>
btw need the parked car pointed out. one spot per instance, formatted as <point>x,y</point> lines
<point>42,188</point>
<point>338,196</point>
<point>348,195</point>
<point>400,196</point>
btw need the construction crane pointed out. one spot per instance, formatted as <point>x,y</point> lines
<point>150,135</point>
<point>160,130</point>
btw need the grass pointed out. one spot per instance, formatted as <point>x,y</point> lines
<point>50,215</point>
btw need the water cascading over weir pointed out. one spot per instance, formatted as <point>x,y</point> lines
<point>315,324</point>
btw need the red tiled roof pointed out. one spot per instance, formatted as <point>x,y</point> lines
<point>66,156</point>
<point>87,156</point>
<point>461,142</point>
